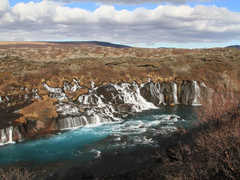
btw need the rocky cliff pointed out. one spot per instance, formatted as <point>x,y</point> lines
<point>104,104</point>
<point>45,91</point>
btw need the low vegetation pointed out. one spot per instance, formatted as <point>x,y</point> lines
<point>26,65</point>
<point>211,150</point>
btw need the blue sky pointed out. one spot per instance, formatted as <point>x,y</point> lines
<point>162,24</point>
<point>233,5</point>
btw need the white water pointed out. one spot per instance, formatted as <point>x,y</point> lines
<point>7,136</point>
<point>56,92</point>
<point>99,112</point>
<point>139,130</point>
<point>175,97</point>
<point>132,95</point>
<point>35,94</point>
<point>161,96</point>
<point>3,137</point>
<point>72,88</point>
<point>155,91</point>
<point>197,94</point>
<point>10,135</point>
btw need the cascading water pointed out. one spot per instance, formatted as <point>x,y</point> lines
<point>161,96</point>
<point>35,94</point>
<point>10,135</point>
<point>152,92</point>
<point>72,88</point>
<point>7,136</point>
<point>98,110</point>
<point>175,97</point>
<point>197,94</point>
<point>72,122</point>
<point>3,137</point>
<point>83,144</point>
<point>132,95</point>
<point>113,102</point>
<point>101,104</point>
<point>105,106</point>
<point>55,92</point>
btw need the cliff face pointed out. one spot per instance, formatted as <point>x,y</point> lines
<point>96,85</point>
<point>107,103</point>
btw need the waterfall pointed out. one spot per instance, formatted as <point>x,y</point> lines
<point>92,85</point>
<point>76,86</point>
<point>107,103</point>
<point>1,101</point>
<point>72,88</point>
<point>127,93</point>
<point>132,95</point>
<point>91,99</point>
<point>7,136</point>
<point>197,94</point>
<point>160,95</point>
<point>72,122</point>
<point>175,97</point>
<point>35,94</point>
<point>10,135</point>
<point>144,105</point>
<point>155,92</point>
<point>99,108</point>
<point>74,115</point>
<point>55,92</point>
<point>3,137</point>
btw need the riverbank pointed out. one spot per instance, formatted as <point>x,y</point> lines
<point>211,150</point>
<point>69,87</point>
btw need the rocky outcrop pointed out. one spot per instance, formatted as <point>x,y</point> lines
<point>172,93</point>
<point>103,104</point>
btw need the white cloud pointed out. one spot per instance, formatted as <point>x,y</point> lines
<point>4,5</point>
<point>165,24</point>
<point>132,1</point>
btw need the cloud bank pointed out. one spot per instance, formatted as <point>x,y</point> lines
<point>4,5</point>
<point>133,1</point>
<point>165,24</point>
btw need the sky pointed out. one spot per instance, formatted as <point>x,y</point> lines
<point>142,23</point>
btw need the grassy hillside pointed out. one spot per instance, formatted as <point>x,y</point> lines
<point>29,64</point>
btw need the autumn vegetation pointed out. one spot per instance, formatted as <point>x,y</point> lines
<point>28,66</point>
<point>210,150</point>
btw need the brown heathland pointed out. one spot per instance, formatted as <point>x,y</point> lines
<point>26,66</point>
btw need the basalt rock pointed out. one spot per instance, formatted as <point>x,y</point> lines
<point>187,92</point>
<point>152,92</point>
<point>103,104</point>
<point>109,94</point>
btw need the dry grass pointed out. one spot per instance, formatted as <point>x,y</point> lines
<point>27,65</point>
<point>212,149</point>
<point>16,174</point>
<point>209,151</point>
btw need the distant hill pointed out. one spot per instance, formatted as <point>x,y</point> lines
<point>38,44</point>
<point>98,43</point>
<point>234,46</point>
